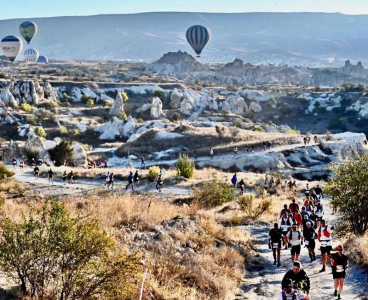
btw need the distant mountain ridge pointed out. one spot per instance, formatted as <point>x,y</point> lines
<point>283,38</point>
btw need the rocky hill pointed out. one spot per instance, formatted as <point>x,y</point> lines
<point>184,66</point>
<point>292,38</point>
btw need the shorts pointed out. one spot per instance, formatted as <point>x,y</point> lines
<point>311,244</point>
<point>337,275</point>
<point>295,250</point>
<point>326,250</point>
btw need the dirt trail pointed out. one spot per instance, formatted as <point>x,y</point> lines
<point>263,279</point>
<point>80,186</point>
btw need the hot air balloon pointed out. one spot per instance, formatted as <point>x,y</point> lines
<point>198,36</point>
<point>43,59</point>
<point>31,55</point>
<point>28,30</point>
<point>12,46</point>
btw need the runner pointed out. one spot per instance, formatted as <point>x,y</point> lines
<point>111,181</point>
<point>136,178</point>
<point>298,219</point>
<point>285,210</point>
<point>211,153</point>
<point>241,185</point>
<point>310,236</point>
<point>264,146</point>
<point>269,144</point>
<point>307,190</point>
<point>235,152</point>
<point>325,239</point>
<point>21,165</point>
<point>339,263</point>
<point>195,154</point>
<point>294,207</point>
<point>50,176</point>
<point>314,218</point>
<point>299,277</point>
<point>285,225</point>
<point>71,177</point>
<point>274,241</point>
<point>159,184</point>
<point>319,191</point>
<point>315,139</point>
<point>36,172</point>
<point>105,164</point>
<point>234,180</point>
<point>107,178</point>
<point>14,162</point>
<point>319,210</point>
<point>143,159</point>
<point>130,181</point>
<point>252,148</point>
<point>64,177</point>
<point>289,293</point>
<point>295,241</point>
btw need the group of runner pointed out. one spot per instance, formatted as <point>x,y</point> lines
<point>98,164</point>
<point>297,227</point>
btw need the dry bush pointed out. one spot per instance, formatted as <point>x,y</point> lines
<point>115,211</point>
<point>357,248</point>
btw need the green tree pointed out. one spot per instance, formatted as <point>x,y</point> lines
<point>214,193</point>
<point>39,131</point>
<point>349,190</point>
<point>90,102</point>
<point>124,96</point>
<point>158,93</point>
<point>56,256</point>
<point>185,167</point>
<point>62,151</point>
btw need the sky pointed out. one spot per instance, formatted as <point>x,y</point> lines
<point>50,8</point>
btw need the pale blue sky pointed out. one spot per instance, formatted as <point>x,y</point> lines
<point>49,8</point>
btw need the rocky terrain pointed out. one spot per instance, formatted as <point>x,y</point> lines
<point>184,67</point>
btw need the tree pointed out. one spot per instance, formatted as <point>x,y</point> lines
<point>349,189</point>
<point>90,102</point>
<point>5,172</point>
<point>124,96</point>
<point>56,256</point>
<point>185,167</point>
<point>39,131</point>
<point>62,151</point>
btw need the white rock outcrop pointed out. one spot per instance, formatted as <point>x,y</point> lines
<point>176,98</point>
<point>79,155</point>
<point>235,105</point>
<point>76,94</point>
<point>156,108</point>
<point>7,97</point>
<point>118,107</point>
<point>255,107</point>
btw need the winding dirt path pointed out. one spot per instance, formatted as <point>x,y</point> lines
<point>263,280</point>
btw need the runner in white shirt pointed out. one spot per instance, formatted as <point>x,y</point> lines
<point>325,239</point>
<point>295,240</point>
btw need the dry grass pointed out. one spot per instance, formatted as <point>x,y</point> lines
<point>357,248</point>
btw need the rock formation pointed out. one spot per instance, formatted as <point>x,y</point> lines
<point>156,108</point>
<point>118,107</point>
<point>235,105</point>
<point>79,155</point>
<point>176,98</point>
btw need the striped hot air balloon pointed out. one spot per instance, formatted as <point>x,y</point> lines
<point>28,30</point>
<point>43,59</point>
<point>31,55</point>
<point>198,36</point>
<point>11,46</point>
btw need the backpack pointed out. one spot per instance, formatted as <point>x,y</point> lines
<point>291,235</point>
<point>325,232</point>
<point>284,297</point>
